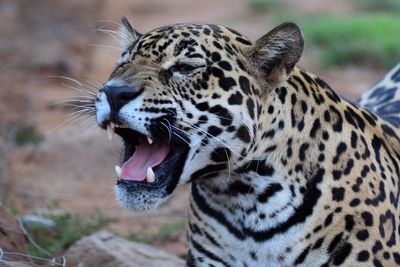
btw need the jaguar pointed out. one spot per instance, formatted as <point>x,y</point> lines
<point>283,170</point>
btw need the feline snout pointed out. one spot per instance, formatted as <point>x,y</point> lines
<point>118,96</point>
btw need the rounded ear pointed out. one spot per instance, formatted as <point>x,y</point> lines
<point>128,34</point>
<point>275,54</point>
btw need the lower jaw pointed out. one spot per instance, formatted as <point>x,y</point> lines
<point>142,196</point>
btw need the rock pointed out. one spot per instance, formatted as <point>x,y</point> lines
<point>14,264</point>
<point>34,222</point>
<point>11,237</point>
<point>107,250</point>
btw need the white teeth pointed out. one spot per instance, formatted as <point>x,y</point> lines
<point>149,140</point>
<point>110,130</point>
<point>118,171</point>
<point>150,177</point>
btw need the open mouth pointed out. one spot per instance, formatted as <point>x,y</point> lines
<point>152,163</point>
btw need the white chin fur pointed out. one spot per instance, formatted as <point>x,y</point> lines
<point>138,201</point>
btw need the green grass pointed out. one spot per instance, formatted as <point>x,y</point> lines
<point>165,232</point>
<point>369,39</point>
<point>266,5</point>
<point>68,229</point>
<point>24,134</point>
<point>392,6</point>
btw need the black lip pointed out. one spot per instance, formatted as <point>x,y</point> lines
<point>167,173</point>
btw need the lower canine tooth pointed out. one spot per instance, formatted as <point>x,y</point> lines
<point>149,140</point>
<point>118,170</point>
<point>150,177</point>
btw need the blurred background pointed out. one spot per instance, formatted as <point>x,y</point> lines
<point>59,166</point>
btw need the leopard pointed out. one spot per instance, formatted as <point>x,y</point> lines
<point>282,170</point>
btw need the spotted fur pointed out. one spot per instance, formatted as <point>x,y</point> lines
<point>284,172</point>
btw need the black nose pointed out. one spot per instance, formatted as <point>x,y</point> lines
<point>118,96</point>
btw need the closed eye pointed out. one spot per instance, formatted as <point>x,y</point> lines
<point>182,68</point>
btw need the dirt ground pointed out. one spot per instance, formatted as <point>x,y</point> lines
<point>74,165</point>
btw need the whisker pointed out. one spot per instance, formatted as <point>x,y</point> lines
<point>120,34</point>
<point>66,78</point>
<point>84,106</point>
<point>73,101</point>
<point>110,21</point>
<point>222,142</point>
<point>168,128</point>
<point>183,139</point>
<point>82,88</point>
<point>229,170</point>
<point>88,126</point>
<point>106,46</point>
<point>82,97</point>
<point>81,112</point>
<point>215,115</point>
<point>205,144</point>
<point>112,34</point>
<point>92,84</point>
<point>86,91</point>
<point>70,121</point>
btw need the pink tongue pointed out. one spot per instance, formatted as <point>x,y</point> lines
<point>145,156</point>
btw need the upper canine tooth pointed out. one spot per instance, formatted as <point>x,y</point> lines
<point>150,177</point>
<point>118,171</point>
<point>110,131</point>
<point>149,140</point>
